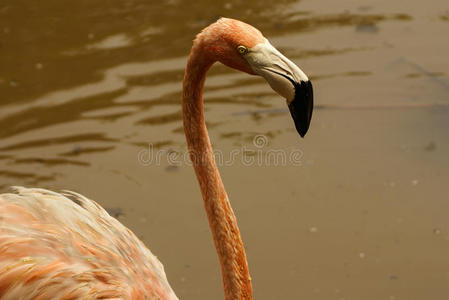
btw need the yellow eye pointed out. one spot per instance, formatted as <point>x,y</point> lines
<point>242,49</point>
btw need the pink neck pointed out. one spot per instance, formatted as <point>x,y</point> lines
<point>222,221</point>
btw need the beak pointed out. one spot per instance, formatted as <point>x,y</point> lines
<point>285,78</point>
<point>302,106</point>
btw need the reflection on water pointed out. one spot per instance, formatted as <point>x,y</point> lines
<point>86,85</point>
<point>61,140</point>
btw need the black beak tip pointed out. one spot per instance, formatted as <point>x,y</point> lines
<point>302,106</point>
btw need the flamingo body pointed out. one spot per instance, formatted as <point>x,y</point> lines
<point>65,246</point>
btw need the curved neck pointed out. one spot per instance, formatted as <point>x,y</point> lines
<point>222,221</point>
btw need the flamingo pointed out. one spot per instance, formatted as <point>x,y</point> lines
<point>66,246</point>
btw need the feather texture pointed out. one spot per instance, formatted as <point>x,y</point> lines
<point>65,246</point>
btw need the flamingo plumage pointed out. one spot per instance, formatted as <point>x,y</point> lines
<point>65,246</point>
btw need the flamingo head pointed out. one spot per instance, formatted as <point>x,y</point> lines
<point>243,47</point>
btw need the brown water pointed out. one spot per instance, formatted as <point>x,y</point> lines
<point>89,87</point>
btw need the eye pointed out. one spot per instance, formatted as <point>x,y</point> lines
<point>242,49</point>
